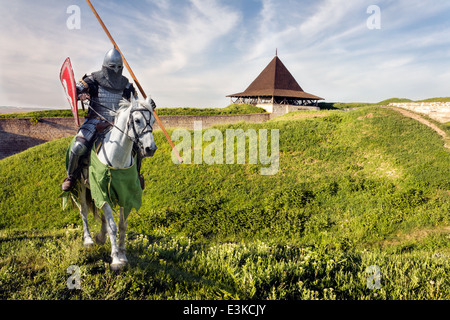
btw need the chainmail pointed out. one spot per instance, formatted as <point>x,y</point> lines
<point>88,129</point>
<point>109,100</point>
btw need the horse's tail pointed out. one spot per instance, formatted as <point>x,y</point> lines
<point>91,204</point>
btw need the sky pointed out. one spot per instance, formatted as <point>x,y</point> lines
<point>193,53</point>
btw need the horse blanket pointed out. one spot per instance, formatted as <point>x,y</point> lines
<point>117,187</point>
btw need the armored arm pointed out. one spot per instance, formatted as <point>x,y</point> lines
<point>129,91</point>
<point>86,88</point>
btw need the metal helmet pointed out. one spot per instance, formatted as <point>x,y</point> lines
<point>113,61</point>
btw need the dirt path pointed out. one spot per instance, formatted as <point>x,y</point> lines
<point>415,116</point>
<point>414,236</point>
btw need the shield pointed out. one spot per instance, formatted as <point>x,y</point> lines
<point>68,81</point>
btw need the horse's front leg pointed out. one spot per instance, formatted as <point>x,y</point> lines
<point>122,235</point>
<point>111,227</point>
<point>100,238</point>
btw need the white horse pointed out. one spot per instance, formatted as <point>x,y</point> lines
<point>133,125</point>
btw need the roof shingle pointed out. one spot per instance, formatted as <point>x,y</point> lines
<point>276,81</point>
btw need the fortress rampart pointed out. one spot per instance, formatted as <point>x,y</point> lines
<point>17,135</point>
<point>439,111</point>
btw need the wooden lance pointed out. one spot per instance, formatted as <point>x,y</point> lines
<point>135,80</point>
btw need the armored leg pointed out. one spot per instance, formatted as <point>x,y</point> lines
<point>79,149</point>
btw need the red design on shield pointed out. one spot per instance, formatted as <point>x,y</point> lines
<point>68,81</point>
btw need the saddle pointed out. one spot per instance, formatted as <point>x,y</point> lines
<point>83,168</point>
<point>103,127</point>
<point>83,163</point>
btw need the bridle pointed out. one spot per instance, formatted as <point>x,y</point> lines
<point>148,125</point>
<point>136,138</point>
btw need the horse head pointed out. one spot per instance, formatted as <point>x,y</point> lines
<point>140,126</point>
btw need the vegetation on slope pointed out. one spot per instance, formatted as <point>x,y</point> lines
<point>67,113</point>
<point>367,187</point>
<point>231,109</point>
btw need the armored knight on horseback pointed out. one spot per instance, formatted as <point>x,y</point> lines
<point>104,89</point>
<point>112,176</point>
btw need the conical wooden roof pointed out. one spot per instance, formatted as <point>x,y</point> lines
<point>276,81</point>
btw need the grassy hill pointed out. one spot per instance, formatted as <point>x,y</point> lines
<point>354,189</point>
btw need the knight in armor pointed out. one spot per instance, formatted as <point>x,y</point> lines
<point>104,89</point>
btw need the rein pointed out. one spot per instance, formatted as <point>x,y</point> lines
<point>136,136</point>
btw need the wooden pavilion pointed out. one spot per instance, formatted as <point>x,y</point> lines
<point>276,90</point>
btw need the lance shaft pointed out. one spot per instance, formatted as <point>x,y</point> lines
<point>135,79</point>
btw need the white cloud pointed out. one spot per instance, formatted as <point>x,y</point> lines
<point>34,47</point>
<point>190,35</point>
<point>327,17</point>
<point>177,70</point>
<point>194,53</point>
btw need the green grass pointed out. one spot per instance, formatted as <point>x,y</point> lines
<point>231,109</point>
<point>443,99</point>
<point>42,114</point>
<point>394,100</point>
<point>165,267</point>
<point>355,189</point>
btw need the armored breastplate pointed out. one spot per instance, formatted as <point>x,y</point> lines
<point>109,100</point>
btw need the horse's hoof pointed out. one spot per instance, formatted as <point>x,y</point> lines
<point>117,266</point>
<point>99,239</point>
<point>88,243</point>
<point>122,257</point>
<point>124,260</point>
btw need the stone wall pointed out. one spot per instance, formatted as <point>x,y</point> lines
<point>439,111</point>
<point>281,109</point>
<point>17,135</point>
<point>187,122</point>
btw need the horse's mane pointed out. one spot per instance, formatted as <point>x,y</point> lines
<point>125,104</point>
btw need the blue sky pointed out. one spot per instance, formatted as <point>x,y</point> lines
<point>192,53</point>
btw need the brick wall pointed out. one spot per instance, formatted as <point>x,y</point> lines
<point>11,143</point>
<point>17,135</point>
